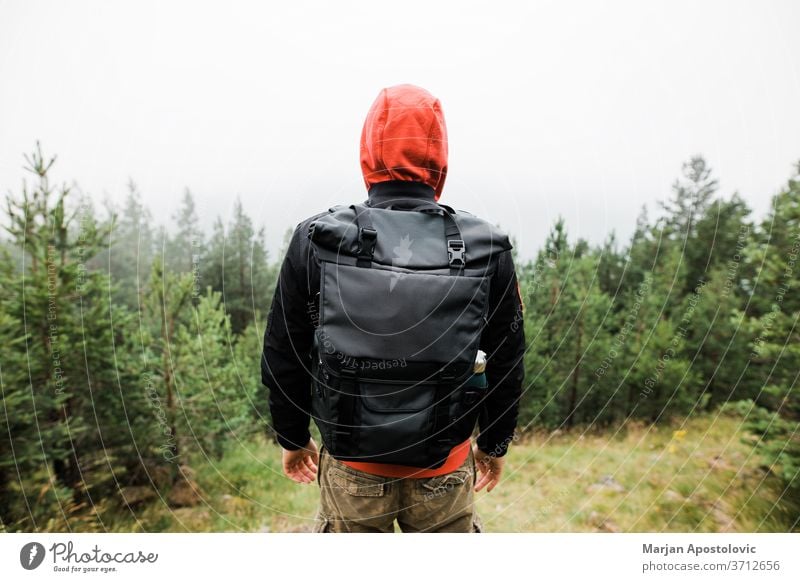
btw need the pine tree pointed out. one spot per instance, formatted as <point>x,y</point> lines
<point>186,247</point>
<point>237,265</point>
<point>132,243</point>
<point>214,392</point>
<point>691,198</point>
<point>168,306</point>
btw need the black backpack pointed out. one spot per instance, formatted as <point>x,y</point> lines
<point>403,301</point>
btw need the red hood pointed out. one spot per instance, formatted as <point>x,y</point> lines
<point>405,138</point>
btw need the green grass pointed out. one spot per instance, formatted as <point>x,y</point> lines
<point>696,476</point>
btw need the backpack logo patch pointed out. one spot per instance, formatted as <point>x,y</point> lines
<point>402,257</point>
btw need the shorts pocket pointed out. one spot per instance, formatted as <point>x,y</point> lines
<point>443,484</point>
<point>357,484</point>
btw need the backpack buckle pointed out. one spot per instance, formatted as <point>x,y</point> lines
<point>455,253</point>
<point>366,242</point>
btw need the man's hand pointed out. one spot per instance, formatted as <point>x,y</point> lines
<point>489,469</point>
<point>301,465</point>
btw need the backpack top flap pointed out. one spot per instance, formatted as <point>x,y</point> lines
<point>407,316</point>
<point>406,238</point>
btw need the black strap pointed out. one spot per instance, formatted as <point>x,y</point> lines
<point>440,438</point>
<point>348,393</point>
<point>456,249</point>
<point>367,235</point>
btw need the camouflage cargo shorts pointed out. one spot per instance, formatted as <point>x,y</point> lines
<point>354,501</point>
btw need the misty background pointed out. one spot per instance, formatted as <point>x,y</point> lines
<point>584,110</point>
<point>661,369</point>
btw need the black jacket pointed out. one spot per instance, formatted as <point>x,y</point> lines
<point>286,360</point>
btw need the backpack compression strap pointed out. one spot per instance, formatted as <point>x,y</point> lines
<point>367,235</point>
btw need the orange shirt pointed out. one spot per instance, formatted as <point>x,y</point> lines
<point>458,454</point>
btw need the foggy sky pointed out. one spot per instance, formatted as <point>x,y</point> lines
<point>584,110</point>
